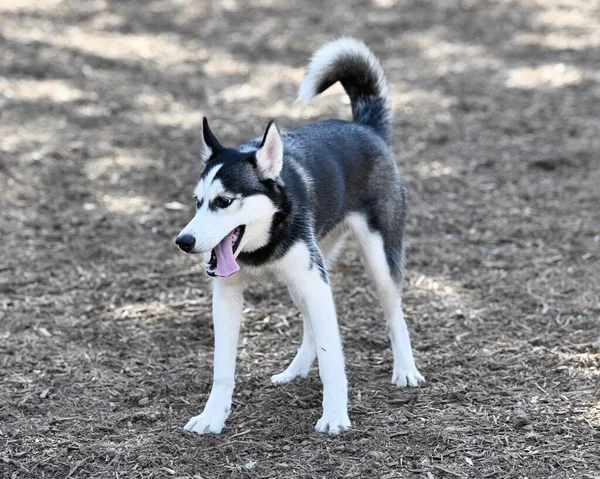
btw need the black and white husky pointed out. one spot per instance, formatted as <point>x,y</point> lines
<point>282,205</point>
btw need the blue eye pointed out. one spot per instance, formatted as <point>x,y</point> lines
<point>199,203</point>
<point>222,202</point>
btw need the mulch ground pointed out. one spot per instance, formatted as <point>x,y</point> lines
<point>105,328</point>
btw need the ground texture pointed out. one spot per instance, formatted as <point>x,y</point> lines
<point>105,328</point>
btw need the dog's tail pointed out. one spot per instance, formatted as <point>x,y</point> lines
<point>350,62</point>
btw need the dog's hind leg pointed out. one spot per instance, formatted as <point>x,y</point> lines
<point>307,353</point>
<point>389,290</point>
<point>331,246</point>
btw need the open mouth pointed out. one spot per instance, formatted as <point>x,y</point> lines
<point>222,258</point>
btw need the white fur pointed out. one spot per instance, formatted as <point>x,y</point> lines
<point>300,366</point>
<point>269,156</point>
<point>209,227</point>
<point>321,338</point>
<point>227,318</point>
<point>258,231</point>
<point>327,55</point>
<point>405,371</point>
<point>204,189</point>
<point>314,298</point>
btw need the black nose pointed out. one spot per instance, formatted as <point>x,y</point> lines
<point>185,242</point>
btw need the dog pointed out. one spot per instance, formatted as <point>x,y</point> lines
<point>282,205</point>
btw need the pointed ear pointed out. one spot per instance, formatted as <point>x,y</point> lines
<point>208,142</point>
<point>269,156</point>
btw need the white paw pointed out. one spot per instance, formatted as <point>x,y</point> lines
<point>407,377</point>
<point>333,423</point>
<point>287,376</point>
<point>207,423</point>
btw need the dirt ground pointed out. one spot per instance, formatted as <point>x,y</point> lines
<point>105,328</point>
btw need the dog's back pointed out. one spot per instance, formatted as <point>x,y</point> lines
<point>336,168</point>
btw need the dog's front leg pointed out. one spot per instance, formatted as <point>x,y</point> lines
<point>310,284</point>
<point>227,317</point>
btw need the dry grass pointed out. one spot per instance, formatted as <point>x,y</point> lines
<point>105,336</point>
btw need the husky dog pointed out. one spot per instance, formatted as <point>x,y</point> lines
<point>283,204</point>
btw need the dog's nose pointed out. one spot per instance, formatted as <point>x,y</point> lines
<point>185,242</point>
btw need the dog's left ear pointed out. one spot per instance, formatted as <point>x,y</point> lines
<point>269,156</point>
<point>209,143</point>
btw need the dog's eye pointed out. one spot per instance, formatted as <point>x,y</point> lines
<point>199,202</point>
<point>222,202</point>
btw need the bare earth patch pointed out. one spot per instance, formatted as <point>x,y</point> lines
<point>105,328</point>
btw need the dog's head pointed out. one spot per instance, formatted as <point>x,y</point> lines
<point>237,197</point>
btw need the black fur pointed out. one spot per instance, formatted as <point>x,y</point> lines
<point>210,139</point>
<point>350,169</point>
<point>330,169</point>
<point>363,83</point>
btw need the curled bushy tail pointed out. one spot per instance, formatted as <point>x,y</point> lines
<point>350,62</point>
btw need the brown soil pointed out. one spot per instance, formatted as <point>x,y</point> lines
<point>105,328</point>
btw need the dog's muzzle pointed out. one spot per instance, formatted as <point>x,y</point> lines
<point>185,242</point>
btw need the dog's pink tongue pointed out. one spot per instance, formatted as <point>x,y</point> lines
<point>226,264</point>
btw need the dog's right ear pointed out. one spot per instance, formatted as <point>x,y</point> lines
<point>269,156</point>
<point>209,144</point>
